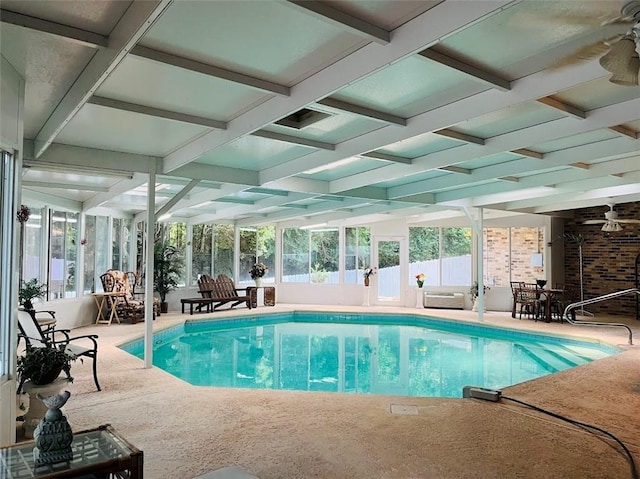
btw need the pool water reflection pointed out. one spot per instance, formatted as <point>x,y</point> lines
<point>364,355</point>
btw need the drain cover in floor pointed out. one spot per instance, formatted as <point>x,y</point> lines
<point>404,409</point>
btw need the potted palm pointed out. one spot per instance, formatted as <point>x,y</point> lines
<point>168,264</point>
<point>30,290</point>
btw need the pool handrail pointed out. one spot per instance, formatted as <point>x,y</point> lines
<point>598,299</point>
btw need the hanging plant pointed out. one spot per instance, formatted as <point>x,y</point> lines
<point>23,214</point>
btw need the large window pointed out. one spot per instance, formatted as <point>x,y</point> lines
<point>201,247</point>
<point>442,254</point>
<point>62,250</point>
<point>174,234</point>
<point>120,238</point>
<point>357,254</point>
<point>512,254</point>
<point>257,245</point>
<point>310,255</point>
<point>32,245</point>
<point>223,250</point>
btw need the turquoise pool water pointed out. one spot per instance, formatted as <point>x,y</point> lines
<point>363,354</point>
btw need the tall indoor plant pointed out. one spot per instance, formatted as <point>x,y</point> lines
<point>30,290</point>
<point>168,266</point>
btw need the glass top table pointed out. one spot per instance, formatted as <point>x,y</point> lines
<point>100,452</point>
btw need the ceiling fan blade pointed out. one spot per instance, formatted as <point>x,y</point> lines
<point>587,52</point>
<point>628,221</point>
<point>594,222</point>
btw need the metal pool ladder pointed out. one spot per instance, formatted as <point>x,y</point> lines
<point>598,299</point>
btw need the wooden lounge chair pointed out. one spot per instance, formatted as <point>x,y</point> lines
<point>226,292</point>
<point>35,337</point>
<point>221,291</point>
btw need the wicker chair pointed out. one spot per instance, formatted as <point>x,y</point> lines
<point>127,306</point>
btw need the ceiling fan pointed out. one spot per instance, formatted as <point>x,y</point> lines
<point>611,221</point>
<point>620,54</point>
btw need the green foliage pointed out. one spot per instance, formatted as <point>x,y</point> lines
<point>38,363</point>
<point>168,265</point>
<point>30,290</point>
<point>473,291</point>
<point>456,242</point>
<point>424,244</point>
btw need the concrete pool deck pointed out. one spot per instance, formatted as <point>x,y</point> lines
<point>186,430</point>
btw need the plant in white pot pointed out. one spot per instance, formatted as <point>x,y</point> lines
<point>474,291</point>
<point>168,265</point>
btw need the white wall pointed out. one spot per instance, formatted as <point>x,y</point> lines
<point>11,109</point>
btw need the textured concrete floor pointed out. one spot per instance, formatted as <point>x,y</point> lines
<point>185,430</point>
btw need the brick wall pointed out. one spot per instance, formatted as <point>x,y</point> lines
<point>508,252</point>
<point>609,259</point>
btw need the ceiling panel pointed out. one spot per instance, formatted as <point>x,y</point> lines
<point>254,153</point>
<point>597,94</point>
<point>387,15</point>
<point>49,73</point>
<point>490,160</point>
<point>405,88</point>
<point>251,37</point>
<point>94,16</point>
<point>508,120</point>
<point>575,140</point>
<point>420,145</point>
<point>426,175</point>
<point>145,82</point>
<point>109,129</point>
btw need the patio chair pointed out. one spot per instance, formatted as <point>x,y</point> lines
<point>529,300</point>
<point>225,291</point>
<point>35,337</point>
<point>127,306</point>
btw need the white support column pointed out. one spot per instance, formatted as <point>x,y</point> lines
<point>148,286</point>
<point>477,225</point>
<point>82,232</point>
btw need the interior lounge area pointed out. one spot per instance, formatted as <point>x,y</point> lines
<point>167,161</point>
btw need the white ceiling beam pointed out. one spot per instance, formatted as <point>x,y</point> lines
<point>272,135</point>
<point>343,106</point>
<point>65,186</point>
<point>87,159</point>
<point>574,180</point>
<point>523,90</point>
<point>386,157</point>
<point>223,174</point>
<point>482,76</point>
<point>356,25</point>
<point>552,130</point>
<point>302,185</point>
<point>415,35</point>
<point>166,208</point>
<point>456,135</point>
<point>233,211</point>
<point>49,199</point>
<point>100,199</point>
<point>75,35</point>
<point>130,28</point>
<point>156,112</point>
<point>268,191</point>
<point>590,152</point>
<point>586,200</point>
<point>529,153</point>
<point>456,169</point>
<point>563,107</point>
<point>210,70</point>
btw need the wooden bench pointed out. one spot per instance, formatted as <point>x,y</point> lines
<point>221,291</point>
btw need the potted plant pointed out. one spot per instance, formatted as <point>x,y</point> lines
<point>473,292</point>
<point>30,290</point>
<point>42,365</point>
<point>168,264</point>
<point>257,271</point>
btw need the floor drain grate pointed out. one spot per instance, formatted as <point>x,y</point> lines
<point>404,409</point>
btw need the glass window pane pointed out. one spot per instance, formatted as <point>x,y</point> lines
<point>91,277</point>
<point>324,256</point>
<point>267,251</point>
<point>72,240</point>
<point>223,239</point>
<point>424,255</point>
<point>295,256</point>
<point>357,253</point>
<point>116,243</point>
<point>201,246</point>
<point>32,245</point>
<point>126,245</point>
<point>248,251</point>
<point>456,256</point>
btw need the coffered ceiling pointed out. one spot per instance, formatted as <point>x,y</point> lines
<point>344,112</point>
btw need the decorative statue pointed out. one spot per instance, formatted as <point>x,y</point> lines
<point>53,436</point>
